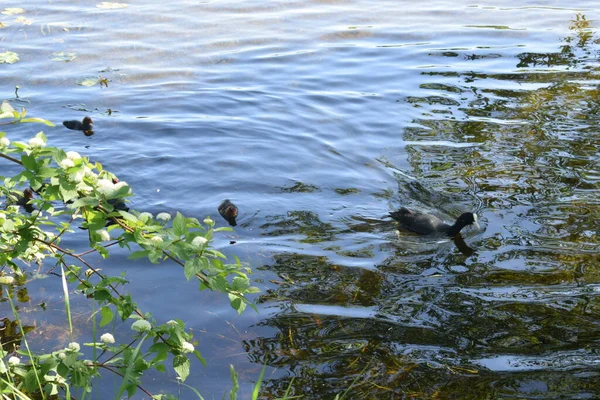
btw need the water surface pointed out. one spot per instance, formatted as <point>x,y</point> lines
<point>317,118</point>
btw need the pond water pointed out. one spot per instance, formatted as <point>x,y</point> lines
<point>318,118</point>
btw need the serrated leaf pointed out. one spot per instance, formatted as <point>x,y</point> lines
<point>107,315</point>
<point>179,224</point>
<point>237,303</point>
<point>240,283</point>
<point>181,365</point>
<point>161,350</point>
<point>29,162</point>
<point>9,57</point>
<point>189,270</point>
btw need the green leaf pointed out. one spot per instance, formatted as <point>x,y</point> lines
<point>47,172</point>
<point>253,290</point>
<point>29,162</point>
<point>240,283</point>
<point>237,303</point>
<point>102,294</point>
<point>139,254</point>
<point>189,270</point>
<point>9,57</point>
<point>85,201</point>
<point>30,380</point>
<point>40,120</point>
<point>181,365</point>
<point>161,350</point>
<point>179,224</point>
<point>107,315</point>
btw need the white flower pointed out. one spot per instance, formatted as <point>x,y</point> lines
<point>163,216</point>
<point>104,235</point>
<point>199,241</point>
<point>107,338</point>
<point>172,322</point>
<point>141,325</point>
<point>157,240</point>
<point>89,173</point>
<point>4,142</point>
<point>7,280</point>
<point>105,186</point>
<point>73,346</point>
<point>62,355</point>
<point>120,184</point>
<point>208,221</point>
<point>12,361</point>
<point>36,142</point>
<point>145,216</point>
<point>67,163</point>
<point>187,347</point>
<point>73,155</point>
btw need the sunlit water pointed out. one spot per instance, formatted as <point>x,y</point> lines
<point>318,118</point>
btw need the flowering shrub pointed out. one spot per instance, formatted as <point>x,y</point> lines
<point>92,196</point>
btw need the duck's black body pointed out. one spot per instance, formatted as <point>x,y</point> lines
<point>427,224</point>
<point>87,125</point>
<point>229,211</point>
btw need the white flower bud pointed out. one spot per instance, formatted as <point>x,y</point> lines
<point>145,216</point>
<point>199,241</point>
<point>104,235</point>
<point>12,361</point>
<point>73,155</point>
<point>73,346</point>
<point>67,163</point>
<point>107,338</point>
<point>4,142</point>
<point>36,142</point>
<point>187,347</point>
<point>163,216</point>
<point>141,325</point>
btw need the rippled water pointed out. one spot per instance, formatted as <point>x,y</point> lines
<point>317,118</point>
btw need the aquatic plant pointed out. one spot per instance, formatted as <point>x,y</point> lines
<point>68,190</point>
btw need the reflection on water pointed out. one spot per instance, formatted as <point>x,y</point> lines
<point>317,120</point>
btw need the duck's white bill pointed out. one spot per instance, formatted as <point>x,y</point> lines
<point>475,222</point>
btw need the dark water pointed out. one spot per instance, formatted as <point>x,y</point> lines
<point>318,118</point>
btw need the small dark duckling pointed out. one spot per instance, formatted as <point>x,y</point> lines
<point>23,201</point>
<point>229,211</point>
<point>427,224</point>
<point>86,125</point>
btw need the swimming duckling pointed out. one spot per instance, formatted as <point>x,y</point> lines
<point>426,224</point>
<point>229,211</point>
